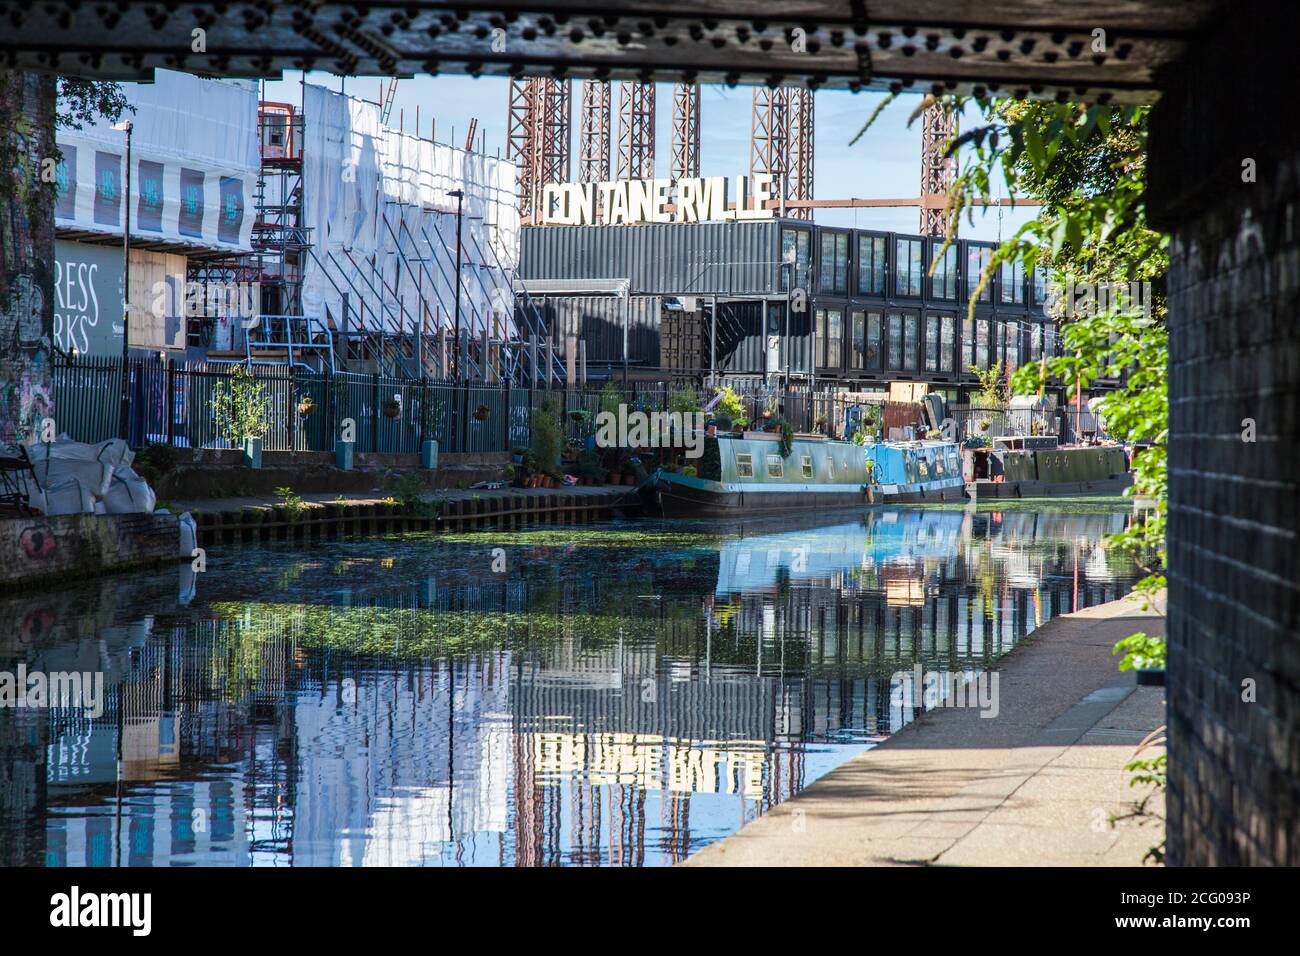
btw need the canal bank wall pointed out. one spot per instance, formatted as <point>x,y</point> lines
<point>225,521</point>
<point>47,550</point>
<point>1037,785</point>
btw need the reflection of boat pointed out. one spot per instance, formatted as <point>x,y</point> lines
<point>760,563</point>
<point>749,475</point>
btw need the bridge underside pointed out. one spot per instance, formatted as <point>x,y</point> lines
<point>1101,50</point>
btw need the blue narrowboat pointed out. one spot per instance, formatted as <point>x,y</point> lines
<point>905,471</point>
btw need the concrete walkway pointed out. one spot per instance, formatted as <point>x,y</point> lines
<point>1034,786</point>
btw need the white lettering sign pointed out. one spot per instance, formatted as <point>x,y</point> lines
<point>634,201</point>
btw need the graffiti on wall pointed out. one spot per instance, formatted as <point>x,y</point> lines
<point>26,251</point>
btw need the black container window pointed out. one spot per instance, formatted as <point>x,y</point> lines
<point>895,343</point>
<point>874,352</point>
<point>977,260</point>
<point>911,329</point>
<point>1013,283</point>
<point>946,328</point>
<point>858,339</point>
<point>932,343</point>
<point>943,285</point>
<point>871,265</point>
<point>907,267</point>
<point>795,254</point>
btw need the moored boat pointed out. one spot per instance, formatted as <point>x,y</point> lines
<point>749,474</point>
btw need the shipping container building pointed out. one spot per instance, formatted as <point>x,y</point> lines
<point>724,298</point>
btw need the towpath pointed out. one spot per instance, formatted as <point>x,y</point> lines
<point>1036,785</point>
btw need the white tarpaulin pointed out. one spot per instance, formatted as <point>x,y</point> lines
<point>76,478</point>
<point>377,203</point>
<point>195,165</point>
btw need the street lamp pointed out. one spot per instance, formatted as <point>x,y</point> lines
<point>124,422</point>
<point>459,196</point>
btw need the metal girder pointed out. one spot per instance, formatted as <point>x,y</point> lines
<point>769,140</point>
<point>593,157</point>
<point>800,186</point>
<point>538,137</point>
<point>1090,50</point>
<point>636,131</point>
<point>686,131</point>
<point>937,171</point>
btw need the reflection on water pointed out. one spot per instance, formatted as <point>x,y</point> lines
<point>617,696</point>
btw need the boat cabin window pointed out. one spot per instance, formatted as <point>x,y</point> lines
<point>806,462</point>
<point>744,466</point>
<point>774,466</point>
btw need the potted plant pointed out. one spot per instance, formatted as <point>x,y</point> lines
<point>241,410</point>
<point>481,413</point>
<point>393,407</point>
<point>306,405</point>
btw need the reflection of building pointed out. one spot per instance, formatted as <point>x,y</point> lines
<point>299,733</point>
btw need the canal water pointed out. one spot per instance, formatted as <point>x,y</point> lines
<point>620,695</point>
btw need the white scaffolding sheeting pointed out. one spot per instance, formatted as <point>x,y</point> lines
<point>383,229</point>
<point>195,162</point>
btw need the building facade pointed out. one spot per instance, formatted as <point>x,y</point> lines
<point>785,300</point>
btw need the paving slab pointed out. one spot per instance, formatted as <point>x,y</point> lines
<point>1043,783</point>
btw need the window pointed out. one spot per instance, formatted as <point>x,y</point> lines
<point>744,466</point>
<point>834,276</point>
<point>1040,285</point>
<point>932,343</point>
<point>830,332</point>
<point>874,354</point>
<point>977,260</point>
<point>943,285</point>
<point>774,466</point>
<point>858,339</point>
<point>805,462</point>
<point>1051,345</point>
<point>1035,342</point>
<point>995,342</point>
<point>1013,282</point>
<point>967,344</point>
<point>947,326</point>
<point>1012,352</point>
<point>895,344</point>
<point>911,324</point>
<point>982,343</point>
<point>871,265</point>
<point>907,267</point>
<point>795,249</point>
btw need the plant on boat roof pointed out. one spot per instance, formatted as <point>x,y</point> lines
<point>241,407</point>
<point>787,438</point>
<point>730,408</point>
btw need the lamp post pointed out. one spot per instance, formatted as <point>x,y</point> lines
<point>124,421</point>
<point>459,195</point>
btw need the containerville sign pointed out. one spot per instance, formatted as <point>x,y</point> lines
<point>88,298</point>
<point>629,201</point>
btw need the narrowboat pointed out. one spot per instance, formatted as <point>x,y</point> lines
<point>922,470</point>
<point>748,475</point>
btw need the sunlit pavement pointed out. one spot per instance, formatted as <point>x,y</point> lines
<point>1043,783</point>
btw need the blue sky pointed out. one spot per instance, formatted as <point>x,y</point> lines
<point>885,163</point>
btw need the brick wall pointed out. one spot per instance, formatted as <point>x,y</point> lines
<point>26,251</point>
<point>1234,529</point>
